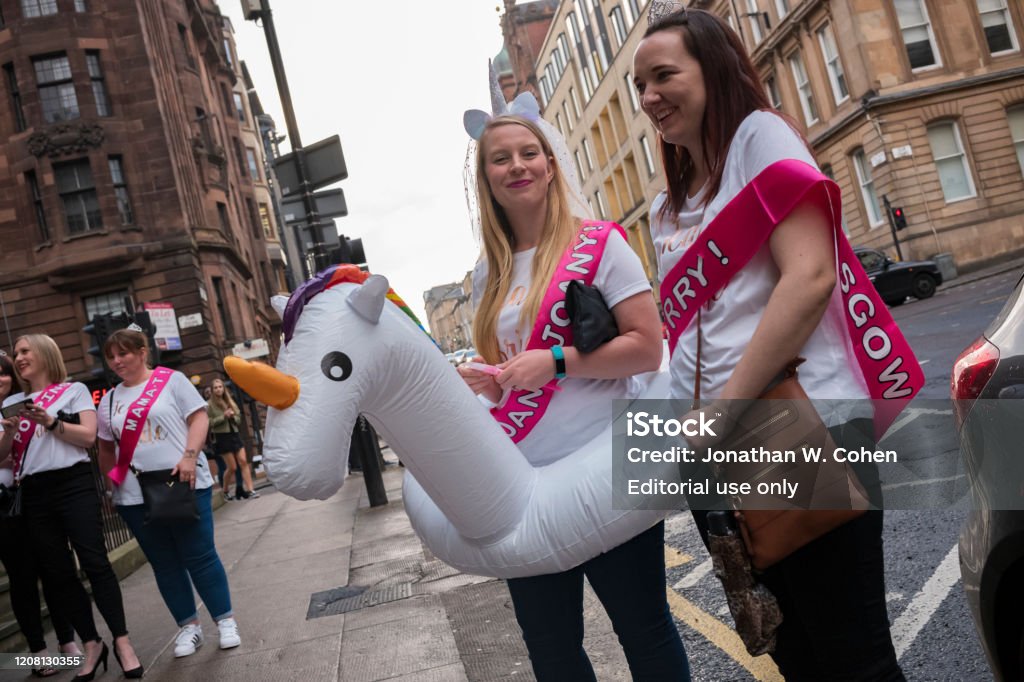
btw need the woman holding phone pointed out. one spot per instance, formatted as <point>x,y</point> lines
<point>60,504</point>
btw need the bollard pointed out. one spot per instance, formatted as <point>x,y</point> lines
<point>364,442</point>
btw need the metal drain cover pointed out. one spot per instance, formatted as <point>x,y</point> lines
<point>352,598</point>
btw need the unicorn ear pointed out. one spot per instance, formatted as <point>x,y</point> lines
<point>368,298</point>
<point>474,122</point>
<point>279,303</point>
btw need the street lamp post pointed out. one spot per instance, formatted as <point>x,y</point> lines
<point>306,190</point>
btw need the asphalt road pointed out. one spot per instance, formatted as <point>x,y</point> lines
<point>932,628</point>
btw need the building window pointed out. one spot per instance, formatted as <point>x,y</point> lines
<point>579,166</point>
<point>222,216</point>
<point>634,103</point>
<point>601,212</point>
<point>254,167</point>
<point>80,6</point>
<point>37,205</point>
<point>99,88</point>
<point>917,33</point>
<point>561,126</point>
<point>587,153</point>
<point>634,11</point>
<point>754,16</point>
<point>222,309</point>
<point>110,303</point>
<point>124,202</point>
<point>544,94</point>
<point>1016,119</point>
<point>803,86</point>
<point>78,193</point>
<point>568,118</point>
<point>56,91</point>
<point>186,49</point>
<point>574,29</point>
<point>254,220</point>
<point>826,170</point>
<point>227,52</point>
<point>836,76</point>
<point>563,48</point>
<point>38,8</point>
<point>867,188</point>
<point>951,162</point>
<point>268,228</point>
<point>998,26</point>
<point>771,86</point>
<point>618,25</point>
<point>239,107</point>
<point>782,7</point>
<point>645,145</point>
<point>575,102</point>
<point>239,156</point>
<point>12,88</point>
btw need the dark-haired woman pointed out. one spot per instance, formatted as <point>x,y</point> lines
<point>20,563</point>
<point>169,433</point>
<point>722,146</point>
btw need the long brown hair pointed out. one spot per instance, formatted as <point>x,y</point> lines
<point>223,401</point>
<point>499,242</point>
<point>733,91</point>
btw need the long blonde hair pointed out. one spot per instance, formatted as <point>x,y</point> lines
<point>47,352</point>
<point>499,241</point>
<point>223,401</point>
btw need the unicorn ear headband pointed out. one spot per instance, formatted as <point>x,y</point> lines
<point>525,106</point>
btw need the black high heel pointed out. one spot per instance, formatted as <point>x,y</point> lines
<point>134,673</point>
<point>87,677</point>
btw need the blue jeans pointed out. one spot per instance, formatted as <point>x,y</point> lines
<point>630,582</point>
<point>180,552</point>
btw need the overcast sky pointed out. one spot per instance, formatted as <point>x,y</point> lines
<point>392,79</point>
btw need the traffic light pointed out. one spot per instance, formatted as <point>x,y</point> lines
<point>349,251</point>
<point>898,219</point>
<point>100,328</point>
<point>149,329</point>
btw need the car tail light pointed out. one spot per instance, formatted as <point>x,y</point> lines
<point>971,372</point>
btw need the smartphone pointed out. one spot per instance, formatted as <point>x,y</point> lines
<point>14,409</point>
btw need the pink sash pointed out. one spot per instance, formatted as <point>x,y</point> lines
<point>136,416</point>
<point>27,428</point>
<point>522,411</point>
<point>884,357</point>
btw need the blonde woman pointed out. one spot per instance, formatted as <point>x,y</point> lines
<point>528,231</point>
<point>59,500</point>
<point>225,421</point>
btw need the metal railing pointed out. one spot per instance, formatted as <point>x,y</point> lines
<point>115,530</point>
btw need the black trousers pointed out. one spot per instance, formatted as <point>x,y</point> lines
<point>19,560</point>
<point>835,624</point>
<point>61,506</point>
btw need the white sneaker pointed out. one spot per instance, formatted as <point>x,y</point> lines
<point>188,640</point>
<point>229,638</point>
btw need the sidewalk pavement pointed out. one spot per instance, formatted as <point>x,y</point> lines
<point>406,616</point>
<point>1011,265</point>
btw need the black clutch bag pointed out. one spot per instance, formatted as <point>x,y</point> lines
<point>590,318</point>
<point>167,500</point>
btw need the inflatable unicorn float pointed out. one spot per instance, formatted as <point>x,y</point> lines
<point>352,347</point>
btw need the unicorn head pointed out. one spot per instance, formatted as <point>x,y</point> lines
<point>343,339</point>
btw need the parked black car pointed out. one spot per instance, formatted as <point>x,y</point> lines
<point>897,280</point>
<point>987,386</point>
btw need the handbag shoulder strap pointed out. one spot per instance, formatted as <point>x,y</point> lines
<point>696,374</point>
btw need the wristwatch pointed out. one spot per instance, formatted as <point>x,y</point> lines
<point>191,453</point>
<point>52,426</point>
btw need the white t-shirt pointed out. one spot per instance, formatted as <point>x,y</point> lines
<point>47,452</point>
<point>164,435</point>
<point>734,313</point>
<point>583,407</point>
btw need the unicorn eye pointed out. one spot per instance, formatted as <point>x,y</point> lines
<point>336,366</point>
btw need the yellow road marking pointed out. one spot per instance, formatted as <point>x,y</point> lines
<point>721,635</point>
<point>674,557</point>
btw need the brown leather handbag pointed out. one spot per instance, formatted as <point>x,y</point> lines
<point>829,492</point>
